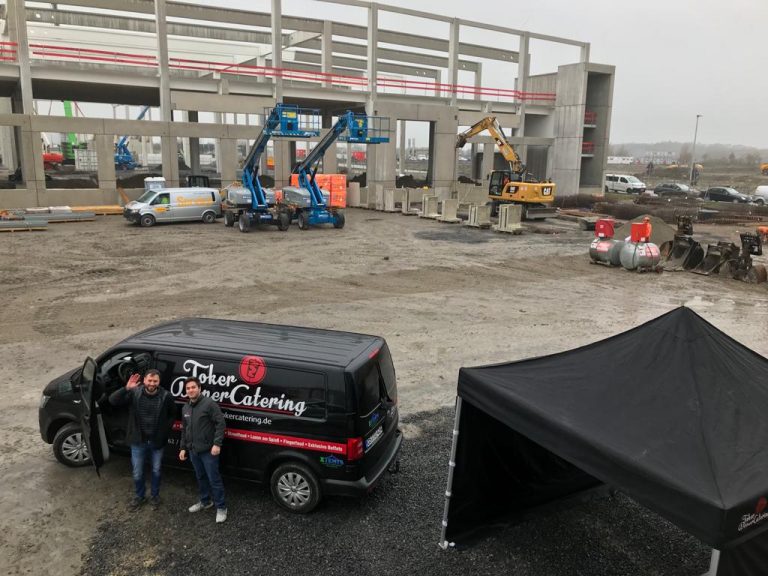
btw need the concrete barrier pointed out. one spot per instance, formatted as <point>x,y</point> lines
<point>410,195</point>
<point>363,198</point>
<point>471,194</point>
<point>429,206</point>
<point>479,216</point>
<point>510,217</point>
<point>448,210</point>
<point>390,195</point>
<point>353,194</point>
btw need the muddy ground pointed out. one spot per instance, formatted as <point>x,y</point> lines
<point>442,295</point>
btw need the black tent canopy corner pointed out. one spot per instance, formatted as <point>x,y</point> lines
<point>672,413</point>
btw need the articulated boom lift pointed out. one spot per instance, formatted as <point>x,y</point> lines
<point>350,127</point>
<point>513,186</point>
<point>283,120</point>
<point>123,157</point>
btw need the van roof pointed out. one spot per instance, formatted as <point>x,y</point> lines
<point>193,189</point>
<point>313,345</point>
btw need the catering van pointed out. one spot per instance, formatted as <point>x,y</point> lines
<point>174,205</point>
<point>304,407</point>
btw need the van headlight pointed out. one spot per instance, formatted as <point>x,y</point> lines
<point>44,400</point>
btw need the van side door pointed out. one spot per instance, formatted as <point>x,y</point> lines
<point>91,422</point>
<point>161,207</point>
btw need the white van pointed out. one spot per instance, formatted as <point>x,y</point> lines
<point>624,183</point>
<point>760,196</point>
<point>174,205</point>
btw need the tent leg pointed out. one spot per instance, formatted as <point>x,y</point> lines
<point>444,544</point>
<point>713,563</point>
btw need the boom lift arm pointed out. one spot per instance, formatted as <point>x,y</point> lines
<point>494,129</point>
<point>356,126</point>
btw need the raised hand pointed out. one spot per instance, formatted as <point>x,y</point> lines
<point>133,381</point>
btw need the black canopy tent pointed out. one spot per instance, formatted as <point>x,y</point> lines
<point>674,413</point>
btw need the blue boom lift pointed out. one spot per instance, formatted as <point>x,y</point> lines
<point>283,120</point>
<point>350,127</point>
<point>123,158</point>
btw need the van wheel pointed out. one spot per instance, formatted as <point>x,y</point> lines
<point>229,219</point>
<point>69,446</point>
<point>147,220</point>
<point>209,217</point>
<point>295,488</point>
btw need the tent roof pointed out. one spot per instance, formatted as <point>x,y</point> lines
<point>673,412</point>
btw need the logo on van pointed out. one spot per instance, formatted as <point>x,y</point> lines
<point>331,461</point>
<point>252,369</point>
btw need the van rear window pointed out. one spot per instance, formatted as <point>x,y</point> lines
<point>379,383</point>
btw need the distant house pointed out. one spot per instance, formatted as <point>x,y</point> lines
<point>621,159</point>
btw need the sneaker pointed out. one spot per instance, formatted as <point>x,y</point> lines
<point>200,506</point>
<point>155,502</point>
<point>136,503</point>
<point>221,515</point>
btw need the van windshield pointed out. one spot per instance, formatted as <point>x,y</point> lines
<point>632,179</point>
<point>146,198</point>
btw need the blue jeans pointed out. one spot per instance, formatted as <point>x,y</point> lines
<point>208,477</point>
<point>139,454</point>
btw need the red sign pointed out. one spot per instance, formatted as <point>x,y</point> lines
<point>286,441</point>
<point>252,370</point>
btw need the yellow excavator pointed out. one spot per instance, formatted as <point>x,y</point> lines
<point>513,186</point>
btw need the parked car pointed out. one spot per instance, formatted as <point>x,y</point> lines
<point>624,183</point>
<point>305,407</point>
<point>725,194</point>
<point>673,189</point>
<point>761,195</point>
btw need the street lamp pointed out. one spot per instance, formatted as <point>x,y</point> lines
<point>693,151</point>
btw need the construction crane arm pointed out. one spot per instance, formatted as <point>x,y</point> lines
<point>491,124</point>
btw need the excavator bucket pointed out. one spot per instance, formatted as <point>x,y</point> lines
<point>717,255</point>
<point>683,253</point>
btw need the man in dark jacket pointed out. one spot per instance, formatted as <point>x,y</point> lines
<point>202,434</point>
<point>151,412</point>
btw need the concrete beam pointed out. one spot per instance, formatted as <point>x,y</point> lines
<point>264,20</point>
<point>354,64</point>
<point>126,23</point>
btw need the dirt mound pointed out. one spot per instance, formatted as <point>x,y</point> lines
<point>361,179</point>
<point>136,180</point>
<point>466,180</point>
<point>409,181</point>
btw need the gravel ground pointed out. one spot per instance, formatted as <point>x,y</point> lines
<point>393,531</point>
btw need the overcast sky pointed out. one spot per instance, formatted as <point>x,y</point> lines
<point>674,58</point>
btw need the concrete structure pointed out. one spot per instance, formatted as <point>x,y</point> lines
<point>234,63</point>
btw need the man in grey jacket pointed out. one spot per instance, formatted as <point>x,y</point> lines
<point>202,434</point>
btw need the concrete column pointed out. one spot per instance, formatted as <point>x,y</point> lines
<point>585,53</point>
<point>7,144</point>
<point>479,79</point>
<point>330,158</point>
<point>185,141</point>
<point>473,159</point>
<point>228,147</point>
<point>17,28</point>
<point>373,39</point>
<point>326,59</point>
<point>381,163</point>
<point>438,78</point>
<point>489,149</point>
<point>282,162</point>
<point>170,156</point>
<point>218,118</point>
<point>161,27</point>
<point>453,59</point>
<point>261,61</point>
<point>105,155</point>
<point>32,168</point>
<point>401,158</point>
<point>194,146</point>
<point>523,73</point>
<point>277,46</point>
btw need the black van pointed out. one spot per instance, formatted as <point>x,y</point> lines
<point>318,407</point>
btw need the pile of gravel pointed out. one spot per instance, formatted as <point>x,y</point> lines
<point>395,530</point>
